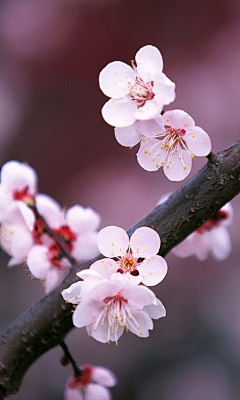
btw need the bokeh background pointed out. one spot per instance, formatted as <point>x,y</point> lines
<point>51,53</point>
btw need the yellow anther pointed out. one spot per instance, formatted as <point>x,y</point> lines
<point>112,244</point>
<point>184,167</point>
<point>167,119</point>
<point>143,139</point>
<point>162,162</point>
<point>168,166</point>
<point>193,136</point>
<point>136,238</point>
<point>192,156</point>
<point>157,165</point>
<point>146,152</point>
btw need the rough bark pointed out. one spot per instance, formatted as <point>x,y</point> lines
<point>46,323</point>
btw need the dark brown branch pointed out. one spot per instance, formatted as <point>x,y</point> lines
<point>45,324</point>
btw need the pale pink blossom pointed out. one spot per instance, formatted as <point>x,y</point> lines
<point>115,305</point>
<point>15,234</point>
<point>211,238</point>
<point>76,228</point>
<point>91,384</point>
<point>137,259</point>
<point>171,141</point>
<point>139,92</point>
<point>18,183</point>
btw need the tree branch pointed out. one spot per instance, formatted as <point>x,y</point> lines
<point>46,323</point>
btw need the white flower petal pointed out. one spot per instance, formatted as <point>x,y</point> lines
<point>21,243</point>
<point>127,278</point>
<point>198,141</point>
<point>73,293</point>
<point>153,270</point>
<point>116,79</point>
<point>105,267</point>
<point>144,323</point>
<point>164,90</point>
<point>120,112</point>
<point>112,241</point>
<point>54,277</point>
<point>150,155</point>
<point>38,262</point>
<point>82,220</point>
<point>149,63</point>
<point>179,168</point>
<point>221,243</point>
<point>185,248</point>
<point>18,176</point>
<point>50,210</point>
<point>85,247</point>
<point>97,392</point>
<point>127,136</point>
<point>145,242</point>
<point>151,109</point>
<point>151,127</point>
<point>156,311</point>
<point>86,313</point>
<point>73,394</point>
<point>178,119</point>
<point>104,376</point>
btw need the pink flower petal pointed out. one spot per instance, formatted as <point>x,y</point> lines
<point>38,262</point>
<point>72,293</point>
<point>116,79</point>
<point>150,154</point>
<point>221,243</point>
<point>179,168</point>
<point>54,278</point>
<point>151,127</point>
<point>145,242</point>
<point>149,63</point>
<point>97,392</point>
<point>112,241</point>
<point>82,220</point>
<point>104,376</point>
<point>85,247</point>
<point>153,270</point>
<point>105,267</point>
<point>120,112</point>
<point>50,210</point>
<point>178,119</point>
<point>151,109</point>
<point>18,176</point>
<point>127,136</point>
<point>157,310</point>
<point>198,141</point>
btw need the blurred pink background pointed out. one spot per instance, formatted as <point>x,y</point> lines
<point>51,53</point>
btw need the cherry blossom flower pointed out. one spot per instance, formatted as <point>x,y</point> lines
<point>115,305</point>
<point>211,238</point>
<point>15,234</point>
<point>90,384</point>
<point>171,141</point>
<point>18,183</point>
<point>76,228</point>
<point>136,257</point>
<point>139,92</point>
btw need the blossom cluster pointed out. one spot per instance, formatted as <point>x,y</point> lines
<point>137,97</point>
<point>36,230</point>
<point>112,295</point>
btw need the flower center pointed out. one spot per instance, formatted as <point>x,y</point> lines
<point>114,316</point>
<point>83,379</point>
<point>24,196</point>
<point>172,141</point>
<point>213,221</point>
<point>128,263</point>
